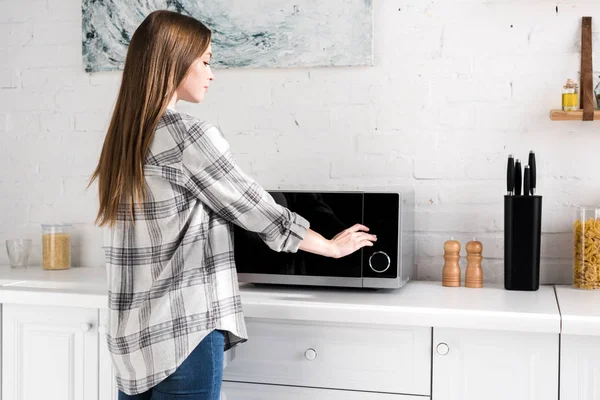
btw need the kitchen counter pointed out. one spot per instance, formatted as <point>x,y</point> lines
<point>419,303</point>
<point>75,287</point>
<point>580,310</point>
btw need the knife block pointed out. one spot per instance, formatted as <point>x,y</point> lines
<point>522,242</point>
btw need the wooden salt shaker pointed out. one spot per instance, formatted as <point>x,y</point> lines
<point>474,273</point>
<point>451,270</point>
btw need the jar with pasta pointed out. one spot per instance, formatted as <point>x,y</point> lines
<point>586,241</point>
<point>56,246</point>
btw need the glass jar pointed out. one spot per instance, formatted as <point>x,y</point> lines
<point>570,96</point>
<point>56,246</point>
<point>586,240</point>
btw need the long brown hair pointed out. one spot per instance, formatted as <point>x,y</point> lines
<point>161,51</point>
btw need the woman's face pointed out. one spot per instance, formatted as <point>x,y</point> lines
<point>194,86</point>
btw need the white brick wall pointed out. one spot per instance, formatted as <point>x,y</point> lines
<point>456,86</point>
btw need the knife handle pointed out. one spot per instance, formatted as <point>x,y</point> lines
<point>518,177</point>
<point>510,175</point>
<point>532,172</point>
<point>526,181</point>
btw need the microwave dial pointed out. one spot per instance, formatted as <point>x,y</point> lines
<point>379,262</point>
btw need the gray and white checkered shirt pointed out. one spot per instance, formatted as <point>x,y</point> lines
<point>171,276</point>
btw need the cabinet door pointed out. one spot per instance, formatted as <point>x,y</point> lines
<point>494,365</point>
<point>49,353</point>
<point>249,391</point>
<point>108,384</point>
<point>580,367</point>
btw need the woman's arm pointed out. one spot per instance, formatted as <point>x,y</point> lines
<point>212,175</point>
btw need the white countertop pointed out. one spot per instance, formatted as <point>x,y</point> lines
<point>419,303</point>
<point>580,310</point>
<point>75,287</point>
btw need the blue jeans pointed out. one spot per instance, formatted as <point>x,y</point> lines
<point>197,378</point>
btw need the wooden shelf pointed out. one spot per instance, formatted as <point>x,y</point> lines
<point>586,90</point>
<point>560,115</point>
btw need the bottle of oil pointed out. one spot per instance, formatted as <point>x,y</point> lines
<point>570,96</point>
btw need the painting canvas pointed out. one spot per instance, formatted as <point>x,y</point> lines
<point>246,33</point>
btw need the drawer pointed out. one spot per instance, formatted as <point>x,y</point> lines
<point>253,391</point>
<point>379,359</point>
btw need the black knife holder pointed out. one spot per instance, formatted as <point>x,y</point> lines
<point>522,242</point>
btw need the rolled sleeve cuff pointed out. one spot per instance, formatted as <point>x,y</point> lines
<point>298,226</point>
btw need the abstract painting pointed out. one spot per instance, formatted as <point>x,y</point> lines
<point>246,33</point>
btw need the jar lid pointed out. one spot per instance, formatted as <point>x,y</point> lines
<point>588,212</point>
<point>56,225</point>
<point>570,84</point>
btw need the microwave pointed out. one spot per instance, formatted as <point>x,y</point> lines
<point>389,263</point>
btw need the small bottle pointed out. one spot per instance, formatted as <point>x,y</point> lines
<point>474,273</point>
<point>451,270</point>
<point>570,96</point>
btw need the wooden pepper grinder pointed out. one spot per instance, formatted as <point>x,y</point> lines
<point>451,270</point>
<point>474,273</point>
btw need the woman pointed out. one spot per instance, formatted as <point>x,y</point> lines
<point>169,190</point>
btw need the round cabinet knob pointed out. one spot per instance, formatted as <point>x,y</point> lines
<point>102,329</point>
<point>85,327</point>
<point>379,261</point>
<point>310,354</point>
<point>443,349</point>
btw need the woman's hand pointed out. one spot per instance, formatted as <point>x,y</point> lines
<point>344,243</point>
<point>349,240</point>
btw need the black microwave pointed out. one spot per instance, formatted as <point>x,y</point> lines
<point>389,263</point>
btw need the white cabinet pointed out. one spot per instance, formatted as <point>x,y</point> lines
<point>580,343</point>
<point>580,367</point>
<point>49,353</point>
<point>107,382</point>
<point>249,391</point>
<point>1,377</point>
<point>60,353</point>
<point>494,365</point>
<point>334,356</point>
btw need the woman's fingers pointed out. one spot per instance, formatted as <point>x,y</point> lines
<point>360,236</point>
<point>352,229</point>
<point>357,227</point>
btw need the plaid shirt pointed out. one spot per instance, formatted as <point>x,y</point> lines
<point>172,277</point>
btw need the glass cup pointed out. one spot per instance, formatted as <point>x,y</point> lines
<point>18,252</point>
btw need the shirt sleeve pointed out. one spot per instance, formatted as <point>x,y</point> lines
<point>211,174</point>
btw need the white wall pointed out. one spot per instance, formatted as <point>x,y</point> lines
<point>457,85</point>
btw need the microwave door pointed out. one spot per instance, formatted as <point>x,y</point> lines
<point>328,214</point>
